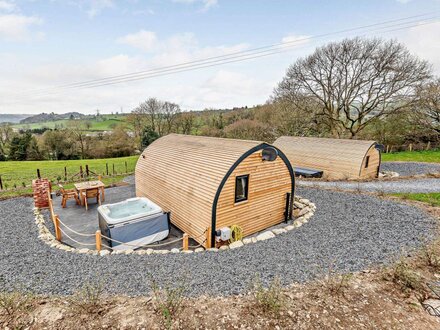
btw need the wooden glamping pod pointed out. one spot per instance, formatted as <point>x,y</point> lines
<point>210,183</point>
<point>337,158</point>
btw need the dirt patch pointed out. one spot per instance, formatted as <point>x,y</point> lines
<point>366,301</point>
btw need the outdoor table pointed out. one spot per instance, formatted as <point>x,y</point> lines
<point>88,185</point>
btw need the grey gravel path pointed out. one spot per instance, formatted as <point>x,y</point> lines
<point>410,168</point>
<point>398,186</point>
<point>349,232</point>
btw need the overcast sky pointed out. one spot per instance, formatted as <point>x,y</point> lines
<point>52,43</point>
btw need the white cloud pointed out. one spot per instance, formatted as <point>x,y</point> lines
<point>18,27</point>
<point>144,40</point>
<point>294,40</point>
<point>7,6</point>
<point>93,7</point>
<point>207,4</point>
<point>403,1</point>
<point>424,41</point>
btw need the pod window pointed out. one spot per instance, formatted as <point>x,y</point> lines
<point>241,188</point>
<point>367,161</point>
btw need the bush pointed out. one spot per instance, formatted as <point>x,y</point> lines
<point>168,299</point>
<point>88,298</point>
<point>405,277</point>
<point>16,306</point>
<point>270,299</point>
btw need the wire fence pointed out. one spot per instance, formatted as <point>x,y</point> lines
<point>21,180</point>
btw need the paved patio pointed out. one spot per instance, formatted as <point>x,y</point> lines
<point>86,222</point>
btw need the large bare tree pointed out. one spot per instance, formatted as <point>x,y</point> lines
<point>428,109</point>
<point>354,81</point>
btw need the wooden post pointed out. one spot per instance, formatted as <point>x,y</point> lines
<point>98,240</point>
<point>1,183</point>
<point>126,168</point>
<point>52,212</point>
<point>208,238</point>
<point>65,173</point>
<point>410,147</point>
<point>87,170</point>
<point>81,171</point>
<point>106,168</point>
<point>113,168</point>
<point>38,173</point>
<point>185,242</point>
<point>57,228</point>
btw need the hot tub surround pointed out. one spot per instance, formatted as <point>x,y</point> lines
<point>303,209</point>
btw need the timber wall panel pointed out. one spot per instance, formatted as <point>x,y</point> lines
<point>338,158</point>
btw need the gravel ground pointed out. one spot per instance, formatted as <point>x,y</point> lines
<point>398,186</point>
<point>349,232</point>
<point>410,168</point>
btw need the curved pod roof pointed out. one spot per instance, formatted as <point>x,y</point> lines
<point>338,158</point>
<point>184,174</point>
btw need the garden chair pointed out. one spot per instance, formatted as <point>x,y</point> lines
<point>91,193</point>
<point>432,306</point>
<point>68,194</point>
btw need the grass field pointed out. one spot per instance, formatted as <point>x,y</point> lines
<point>21,173</point>
<point>109,122</point>
<point>432,156</point>
<point>430,198</point>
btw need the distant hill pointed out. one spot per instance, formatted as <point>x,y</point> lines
<point>45,117</point>
<point>12,118</point>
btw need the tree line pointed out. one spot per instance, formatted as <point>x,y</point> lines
<point>357,88</point>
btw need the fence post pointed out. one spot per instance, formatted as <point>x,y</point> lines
<point>185,242</point>
<point>38,173</point>
<point>65,173</point>
<point>52,212</point>
<point>106,168</point>
<point>113,168</point>
<point>81,171</point>
<point>1,183</point>
<point>57,229</point>
<point>87,170</point>
<point>126,168</point>
<point>98,240</point>
<point>208,238</point>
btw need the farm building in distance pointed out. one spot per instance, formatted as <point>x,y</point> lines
<point>212,183</point>
<point>337,158</point>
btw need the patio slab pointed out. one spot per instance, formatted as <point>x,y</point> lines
<point>85,221</point>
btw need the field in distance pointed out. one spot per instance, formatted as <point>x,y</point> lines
<point>103,123</point>
<point>430,156</point>
<point>21,173</point>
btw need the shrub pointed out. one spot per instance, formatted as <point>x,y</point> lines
<point>270,299</point>
<point>168,299</point>
<point>405,277</point>
<point>88,298</point>
<point>16,306</point>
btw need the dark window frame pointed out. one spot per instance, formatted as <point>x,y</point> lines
<point>367,161</point>
<point>246,190</point>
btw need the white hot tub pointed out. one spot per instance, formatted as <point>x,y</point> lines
<point>136,221</point>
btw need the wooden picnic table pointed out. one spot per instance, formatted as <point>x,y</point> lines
<point>88,185</point>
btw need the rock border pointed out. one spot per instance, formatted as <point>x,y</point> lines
<point>303,209</point>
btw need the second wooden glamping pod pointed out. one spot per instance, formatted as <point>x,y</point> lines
<point>337,158</point>
<point>210,183</point>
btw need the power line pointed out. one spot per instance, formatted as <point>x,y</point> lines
<point>240,56</point>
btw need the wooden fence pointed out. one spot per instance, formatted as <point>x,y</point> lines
<point>84,173</point>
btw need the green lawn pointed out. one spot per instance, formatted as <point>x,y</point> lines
<point>21,173</point>
<point>430,198</point>
<point>432,156</point>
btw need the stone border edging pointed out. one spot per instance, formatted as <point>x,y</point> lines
<point>304,208</point>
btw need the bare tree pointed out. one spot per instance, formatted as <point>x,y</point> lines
<point>355,81</point>
<point>77,129</point>
<point>428,109</point>
<point>169,113</point>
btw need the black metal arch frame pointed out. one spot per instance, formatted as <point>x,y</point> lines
<point>233,167</point>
